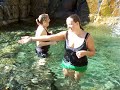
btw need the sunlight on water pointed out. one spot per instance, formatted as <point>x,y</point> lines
<point>116,30</point>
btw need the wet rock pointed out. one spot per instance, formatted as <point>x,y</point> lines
<point>11,2</point>
<point>24,2</point>
<point>116,11</point>
<point>93,6</point>
<point>110,21</point>
<point>104,8</point>
<point>110,8</point>
<point>1,13</point>
<point>24,11</point>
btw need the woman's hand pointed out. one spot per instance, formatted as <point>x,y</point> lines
<point>25,39</point>
<point>81,53</point>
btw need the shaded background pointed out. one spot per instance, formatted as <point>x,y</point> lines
<point>17,10</point>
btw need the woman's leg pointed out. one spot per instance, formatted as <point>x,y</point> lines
<point>68,73</point>
<point>73,74</point>
<point>78,75</point>
<point>75,83</point>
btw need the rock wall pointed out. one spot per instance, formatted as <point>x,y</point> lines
<point>85,8</point>
<point>15,10</point>
<point>110,8</point>
<point>38,7</point>
<point>107,10</point>
<point>103,8</point>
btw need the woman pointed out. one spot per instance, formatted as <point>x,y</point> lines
<point>78,45</point>
<point>42,47</point>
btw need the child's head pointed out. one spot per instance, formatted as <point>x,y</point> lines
<point>43,19</point>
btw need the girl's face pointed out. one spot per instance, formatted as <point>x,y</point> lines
<point>46,22</point>
<point>71,24</point>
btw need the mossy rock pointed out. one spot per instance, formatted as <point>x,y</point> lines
<point>105,11</point>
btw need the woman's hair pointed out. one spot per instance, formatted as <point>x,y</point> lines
<point>41,18</point>
<point>76,18</point>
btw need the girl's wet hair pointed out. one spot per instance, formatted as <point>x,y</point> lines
<point>41,18</point>
<point>76,18</point>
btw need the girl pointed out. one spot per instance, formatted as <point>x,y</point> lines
<point>42,47</point>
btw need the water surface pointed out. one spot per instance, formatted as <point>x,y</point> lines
<point>103,69</point>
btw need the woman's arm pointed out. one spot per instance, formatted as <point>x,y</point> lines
<point>55,37</point>
<point>91,47</point>
<point>40,32</point>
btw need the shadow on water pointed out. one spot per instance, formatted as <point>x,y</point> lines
<point>16,60</point>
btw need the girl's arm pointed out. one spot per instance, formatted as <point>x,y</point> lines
<point>46,43</point>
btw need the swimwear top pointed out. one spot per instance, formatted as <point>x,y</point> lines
<point>70,53</point>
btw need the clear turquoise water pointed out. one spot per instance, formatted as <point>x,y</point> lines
<point>103,70</point>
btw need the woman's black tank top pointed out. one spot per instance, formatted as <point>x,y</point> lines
<point>70,53</point>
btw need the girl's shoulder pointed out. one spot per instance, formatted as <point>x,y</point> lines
<point>40,29</point>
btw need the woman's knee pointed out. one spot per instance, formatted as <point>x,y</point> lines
<point>68,73</point>
<point>78,75</point>
<point>65,72</point>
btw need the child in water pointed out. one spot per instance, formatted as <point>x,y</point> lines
<point>42,47</point>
